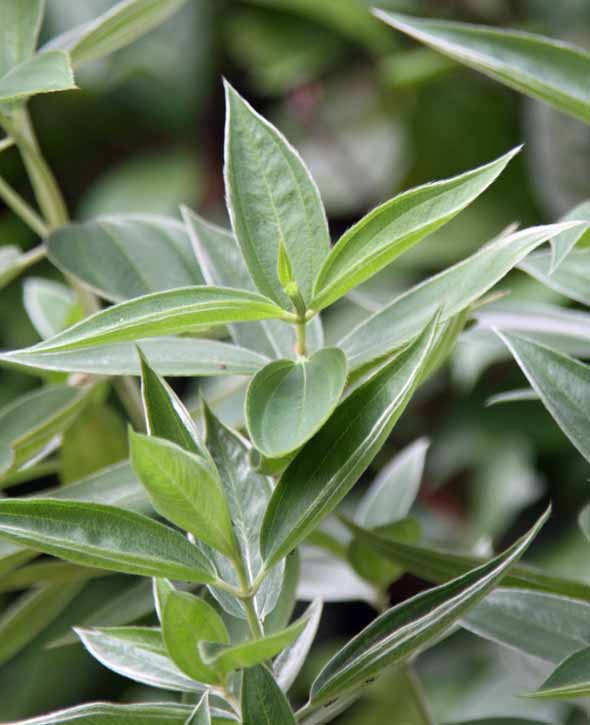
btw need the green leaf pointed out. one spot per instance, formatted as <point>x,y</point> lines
<point>539,624</point>
<point>392,494</point>
<point>30,614</point>
<point>19,30</point>
<point>119,26</point>
<point>412,625</point>
<point>562,383</point>
<point>163,313</point>
<point>202,713</point>
<point>396,226</point>
<point>543,68</point>
<point>106,537</point>
<point>13,262</point>
<point>124,256</point>
<point>43,73</point>
<point>188,620</point>
<point>563,243</point>
<point>263,702</point>
<point>453,289</point>
<point>247,493</point>
<point>585,521</point>
<point>166,416</point>
<point>570,681</point>
<point>289,401</point>
<point>50,305</point>
<point>569,279</point>
<point>329,465</point>
<point>185,489</point>
<point>44,572</point>
<point>438,565</point>
<point>31,425</point>
<point>284,269</point>
<point>174,356</point>
<point>288,664</point>
<point>271,198</point>
<point>137,653</point>
<point>503,721</point>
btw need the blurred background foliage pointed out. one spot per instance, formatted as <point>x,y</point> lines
<point>372,113</point>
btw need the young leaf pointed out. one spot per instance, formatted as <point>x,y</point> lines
<point>119,26</point>
<point>542,625</point>
<point>263,702</point>
<point>453,289</point>
<point>185,489</point>
<point>569,279</point>
<point>320,475</point>
<point>562,383</point>
<point>563,243</point>
<point>394,227</point>
<point>540,67</point>
<point>124,256</point>
<point>289,401</point>
<point>188,620</point>
<point>102,536</point>
<point>585,521</point>
<point>271,198</point>
<point>202,713</point>
<point>163,313</point>
<point>409,627</point>
<point>394,491</point>
<point>288,664</point>
<point>174,356</point>
<point>137,653</point>
<point>42,73</point>
<point>570,681</point>
<point>284,269</point>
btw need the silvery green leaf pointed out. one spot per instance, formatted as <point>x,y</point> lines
<point>585,521</point>
<point>271,197</point>
<point>563,243</point>
<point>562,383</point>
<point>412,625</point>
<point>540,624</point>
<point>42,73</point>
<point>125,256</point>
<point>331,579</point>
<point>512,396</point>
<point>393,492</point>
<point>50,305</point>
<point>569,279</point>
<point>540,67</point>
<point>453,289</point>
<point>289,662</point>
<point>569,681</point>
<point>202,713</point>
<point>395,226</point>
<point>119,26</point>
<point>103,713</point>
<point>263,701</point>
<point>19,30</point>
<point>13,262</point>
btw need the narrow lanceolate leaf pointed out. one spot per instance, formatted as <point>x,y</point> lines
<point>174,356</point>
<point>124,256</point>
<point>329,465</point>
<point>453,290</point>
<point>137,653</point>
<point>43,73</point>
<point>185,489</point>
<point>104,713</point>
<point>542,625</point>
<point>163,313</point>
<point>102,536</point>
<point>119,26</point>
<point>585,521</point>
<point>271,197</point>
<point>394,491</point>
<point>570,681</point>
<point>26,617</point>
<point>394,227</point>
<point>263,701</point>
<point>186,621</point>
<point>540,67</point>
<point>569,279</point>
<point>288,401</point>
<point>288,664</point>
<point>563,243</point>
<point>247,492</point>
<point>202,713</point>
<point>562,383</point>
<point>411,626</point>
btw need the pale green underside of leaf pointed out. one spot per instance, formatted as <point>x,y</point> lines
<point>540,67</point>
<point>170,356</point>
<point>289,662</point>
<point>569,681</point>
<point>128,255</point>
<point>562,383</point>
<point>394,227</point>
<point>43,73</point>
<point>411,626</point>
<point>453,290</point>
<point>288,401</point>
<point>320,475</point>
<point>119,26</point>
<point>163,313</point>
<point>20,23</point>
<point>569,279</point>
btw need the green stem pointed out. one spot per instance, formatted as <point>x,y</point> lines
<point>248,599</point>
<point>22,209</point>
<point>301,347</point>
<point>419,695</point>
<point>6,143</point>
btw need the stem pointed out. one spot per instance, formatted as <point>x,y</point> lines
<point>248,599</point>
<point>22,209</point>
<point>6,143</point>
<point>300,349</point>
<point>419,695</point>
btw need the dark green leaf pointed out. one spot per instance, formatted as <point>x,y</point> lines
<point>263,702</point>
<point>570,681</point>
